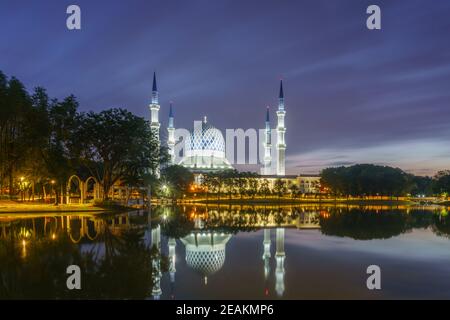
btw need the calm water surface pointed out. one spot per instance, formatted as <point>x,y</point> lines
<point>304,252</point>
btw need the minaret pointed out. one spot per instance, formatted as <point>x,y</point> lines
<point>156,263</point>
<point>281,131</point>
<point>279,257</point>
<point>267,147</point>
<point>172,270</point>
<point>154,110</point>
<point>171,136</point>
<point>266,255</point>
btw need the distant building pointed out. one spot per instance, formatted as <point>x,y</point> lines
<point>309,183</point>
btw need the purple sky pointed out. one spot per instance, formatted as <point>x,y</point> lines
<point>352,95</point>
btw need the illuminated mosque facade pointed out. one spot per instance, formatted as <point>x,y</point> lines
<point>204,147</point>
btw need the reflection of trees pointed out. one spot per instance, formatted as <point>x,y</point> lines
<point>178,225</point>
<point>370,224</point>
<point>41,273</point>
<point>364,225</point>
<point>441,225</point>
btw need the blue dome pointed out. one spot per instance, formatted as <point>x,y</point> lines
<point>205,137</point>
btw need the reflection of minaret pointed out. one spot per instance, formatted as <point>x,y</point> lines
<point>266,258</point>
<point>172,270</point>
<point>266,255</point>
<point>156,263</point>
<point>279,257</point>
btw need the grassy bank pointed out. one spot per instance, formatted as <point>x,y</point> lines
<point>30,207</point>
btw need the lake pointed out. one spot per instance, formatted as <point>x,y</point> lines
<point>229,252</point>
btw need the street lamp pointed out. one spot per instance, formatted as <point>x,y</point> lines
<point>22,187</point>
<point>53,190</point>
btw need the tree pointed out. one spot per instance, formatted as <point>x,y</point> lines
<point>240,180</point>
<point>280,187</point>
<point>252,184</point>
<point>441,182</point>
<point>294,189</point>
<point>264,188</point>
<point>179,178</point>
<point>14,128</point>
<point>367,179</point>
<point>422,186</point>
<point>115,144</point>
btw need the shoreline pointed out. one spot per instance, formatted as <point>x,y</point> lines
<point>301,201</point>
<point>30,208</point>
<point>8,207</point>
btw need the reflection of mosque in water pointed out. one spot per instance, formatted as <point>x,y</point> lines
<point>205,245</point>
<point>206,248</point>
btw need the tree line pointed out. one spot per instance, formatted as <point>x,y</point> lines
<point>375,180</point>
<point>43,141</point>
<point>232,182</point>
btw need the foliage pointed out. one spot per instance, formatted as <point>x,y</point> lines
<point>367,180</point>
<point>178,180</point>
<point>44,140</point>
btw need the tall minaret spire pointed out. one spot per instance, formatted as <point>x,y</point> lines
<point>171,136</point>
<point>281,131</point>
<point>154,112</point>
<point>267,146</point>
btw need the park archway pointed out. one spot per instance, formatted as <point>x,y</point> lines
<point>74,190</point>
<point>91,189</point>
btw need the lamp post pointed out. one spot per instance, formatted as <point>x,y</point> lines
<point>21,185</point>
<point>53,191</point>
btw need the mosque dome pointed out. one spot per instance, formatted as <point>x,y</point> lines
<point>205,252</point>
<point>205,148</point>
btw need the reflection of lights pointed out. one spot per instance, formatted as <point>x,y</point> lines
<point>22,178</point>
<point>24,243</point>
<point>24,233</point>
<point>53,236</point>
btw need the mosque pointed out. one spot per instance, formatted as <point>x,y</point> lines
<point>204,146</point>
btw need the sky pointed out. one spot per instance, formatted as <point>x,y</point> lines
<point>352,95</point>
